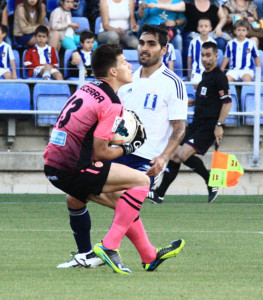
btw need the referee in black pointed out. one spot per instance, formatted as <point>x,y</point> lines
<point>212,105</point>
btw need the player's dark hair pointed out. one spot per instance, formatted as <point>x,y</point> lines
<point>204,18</point>
<point>241,23</point>
<point>42,29</point>
<point>86,34</point>
<point>155,30</point>
<point>212,45</point>
<point>104,58</point>
<point>4,29</point>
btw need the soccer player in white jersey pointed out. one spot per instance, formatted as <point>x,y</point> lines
<point>7,59</point>
<point>241,54</point>
<point>195,65</point>
<point>159,98</point>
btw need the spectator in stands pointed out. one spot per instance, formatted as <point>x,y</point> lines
<point>174,21</point>
<point>7,58</point>
<point>87,39</point>
<point>194,10</point>
<point>169,57</point>
<point>62,28</point>
<point>242,9</point>
<point>240,53</point>
<point>42,60</point>
<point>4,18</point>
<point>195,65</point>
<point>28,16</point>
<point>119,24</point>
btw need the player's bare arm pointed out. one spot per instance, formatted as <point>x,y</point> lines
<point>223,115</point>
<point>174,141</point>
<point>103,150</point>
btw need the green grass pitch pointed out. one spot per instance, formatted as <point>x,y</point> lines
<point>222,258</point>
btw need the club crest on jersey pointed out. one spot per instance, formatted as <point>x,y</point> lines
<point>3,54</point>
<point>203,90</point>
<point>248,50</point>
<point>150,101</point>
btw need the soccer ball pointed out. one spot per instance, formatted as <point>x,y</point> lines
<point>126,129</point>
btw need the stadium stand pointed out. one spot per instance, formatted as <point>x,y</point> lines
<point>132,57</point>
<point>83,22</point>
<point>97,25</point>
<point>248,103</point>
<point>220,57</point>
<point>11,7</point>
<point>191,94</point>
<point>178,63</point>
<point>51,5</point>
<point>51,97</point>
<point>17,61</point>
<point>233,120</point>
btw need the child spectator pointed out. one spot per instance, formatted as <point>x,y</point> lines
<point>62,28</point>
<point>7,58</point>
<point>42,59</point>
<point>28,16</point>
<point>87,39</point>
<point>169,57</point>
<point>240,53</point>
<point>195,65</point>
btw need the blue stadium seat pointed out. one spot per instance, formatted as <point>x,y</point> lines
<point>17,61</point>
<point>67,56</point>
<point>97,25</point>
<point>83,22</point>
<point>191,94</point>
<point>233,120</point>
<point>49,97</point>
<point>10,6</point>
<point>261,61</point>
<point>14,96</point>
<point>248,103</point>
<point>51,5</point>
<point>132,57</point>
<point>220,57</point>
<point>178,63</point>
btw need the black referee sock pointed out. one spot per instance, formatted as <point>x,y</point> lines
<point>197,165</point>
<point>169,176</point>
<point>80,224</point>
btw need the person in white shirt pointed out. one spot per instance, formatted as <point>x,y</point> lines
<point>195,65</point>
<point>118,23</point>
<point>241,54</point>
<point>159,98</point>
<point>7,59</point>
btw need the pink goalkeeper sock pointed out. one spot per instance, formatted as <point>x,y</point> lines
<point>126,211</point>
<point>138,236</point>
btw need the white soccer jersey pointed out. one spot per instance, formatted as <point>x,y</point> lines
<point>6,54</point>
<point>169,55</point>
<point>44,54</point>
<point>156,100</point>
<point>194,51</point>
<point>241,54</point>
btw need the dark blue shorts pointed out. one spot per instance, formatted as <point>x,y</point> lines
<point>135,162</point>
<point>24,39</point>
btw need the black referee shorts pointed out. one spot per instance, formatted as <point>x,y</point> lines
<point>80,185</point>
<point>200,135</point>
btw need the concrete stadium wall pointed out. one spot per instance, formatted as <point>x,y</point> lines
<point>21,162</point>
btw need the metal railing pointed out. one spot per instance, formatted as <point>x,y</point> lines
<point>254,159</point>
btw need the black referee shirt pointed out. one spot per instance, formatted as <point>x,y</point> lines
<point>212,92</point>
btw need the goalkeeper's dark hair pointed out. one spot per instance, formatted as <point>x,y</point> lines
<point>155,30</point>
<point>208,45</point>
<point>104,58</point>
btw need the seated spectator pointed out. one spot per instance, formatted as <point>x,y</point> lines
<point>62,29</point>
<point>7,58</point>
<point>4,18</point>
<point>28,16</point>
<point>118,23</point>
<point>87,39</point>
<point>195,65</point>
<point>174,21</point>
<point>194,10</point>
<point>240,53</point>
<point>42,60</point>
<point>169,57</point>
<point>242,9</point>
